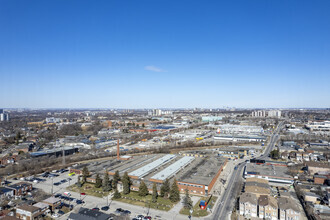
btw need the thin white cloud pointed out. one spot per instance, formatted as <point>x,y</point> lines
<point>154,69</point>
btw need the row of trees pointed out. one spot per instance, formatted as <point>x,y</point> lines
<point>166,191</point>
<point>107,184</point>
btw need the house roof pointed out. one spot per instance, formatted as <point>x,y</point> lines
<point>248,197</point>
<point>20,185</point>
<point>287,203</point>
<point>5,190</point>
<point>41,205</point>
<point>52,200</point>
<point>28,208</point>
<point>267,200</point>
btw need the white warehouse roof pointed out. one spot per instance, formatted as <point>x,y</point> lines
<point>173,168</point>
<point>143,171</point>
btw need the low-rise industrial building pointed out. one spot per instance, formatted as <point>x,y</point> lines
<point>197,174</point>
<point>272,173</point>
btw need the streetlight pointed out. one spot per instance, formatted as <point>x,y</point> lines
<point>190,211</point>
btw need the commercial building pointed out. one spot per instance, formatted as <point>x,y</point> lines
<point>197,174</point>
<point>263,114</point>
<point>88,214</point>
<point>28,212</point>
<point>58,151</point>
<point>319,126</point>
<point>4,116</point>
<point>317,167</point>
<point>52,120</point>
<point>200,176</point>
<point>271,172</point>
<point>239,138</point>
<point>211,118</point>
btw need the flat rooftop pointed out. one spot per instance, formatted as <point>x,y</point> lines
<point>267,170</point>
<point>171,170</point>
<point>201,171</point>
<point>148,168</point>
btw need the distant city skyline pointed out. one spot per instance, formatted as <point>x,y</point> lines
<point>164,54</point>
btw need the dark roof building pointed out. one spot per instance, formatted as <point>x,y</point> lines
<point>88,214</point>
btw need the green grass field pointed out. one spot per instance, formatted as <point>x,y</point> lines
<point>89,189</point>
<point>134,199</point>
<point>197,211</point>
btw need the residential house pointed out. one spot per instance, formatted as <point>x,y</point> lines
<point>268,208</point>
<point>288,209</point>
<point>312,197</point>
<point>299,156</point>
<point>52,202</point>
<point>42,206</point>
<point>248,205</point>
<point>257,186</point>
<point>320,179</point>
<point>21,188</point>
<point>6,192</point>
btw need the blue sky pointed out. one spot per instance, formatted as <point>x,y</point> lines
<point>164,53</point>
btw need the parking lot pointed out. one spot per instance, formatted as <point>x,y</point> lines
<point>75,200</point>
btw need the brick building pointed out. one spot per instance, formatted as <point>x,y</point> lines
<point>28,212</point>
<point>21,188</point>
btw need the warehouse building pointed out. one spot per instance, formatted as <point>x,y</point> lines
<point>197,174</point>
<point>270,172</point>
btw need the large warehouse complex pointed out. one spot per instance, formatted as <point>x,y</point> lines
<point>198,174</point>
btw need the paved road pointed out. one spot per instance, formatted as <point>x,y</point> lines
<point>273,139</point>
<point>226,201</point>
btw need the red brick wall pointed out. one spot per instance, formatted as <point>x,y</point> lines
<point>318,180</point>
<point>216,176</point>
<point>199,190</point>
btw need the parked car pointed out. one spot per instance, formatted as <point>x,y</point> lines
<point>67,193</point>
<point>119,210</point>
<point>96,209</point>
<point>126,212</point>
<point>79,201</point>
<point>60,212</point>
<point>58,195</point>
<point>105,208</point>
<point>55,215</point>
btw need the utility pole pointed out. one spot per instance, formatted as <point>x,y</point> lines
<point>52,185</point>
<point>63,156</point>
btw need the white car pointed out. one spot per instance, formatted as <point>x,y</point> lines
<point>55,215</point>
<point>67,193</point>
